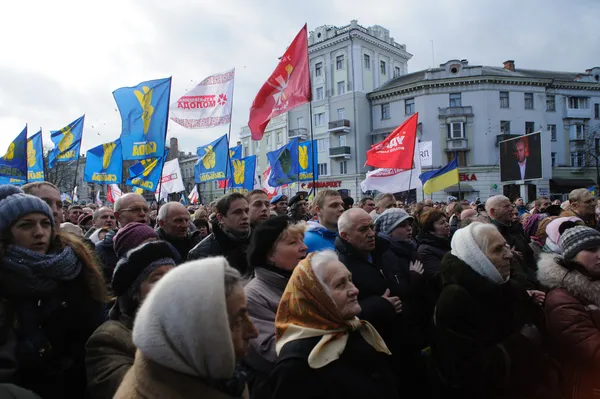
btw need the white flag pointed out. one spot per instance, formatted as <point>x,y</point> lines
<point>172,181</point>
<point>75,198</point>
<point>425,150</point>
<point>271,191</point>
<point>114,193</point>
<point>194,195</point>
<point>98,200</point>
<point>206,105</point>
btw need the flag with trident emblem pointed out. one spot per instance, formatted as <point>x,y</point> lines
<point>104,164</point>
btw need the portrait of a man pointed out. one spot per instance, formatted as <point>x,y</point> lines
<point>520,158</point>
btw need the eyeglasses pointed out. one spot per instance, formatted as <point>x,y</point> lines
<point>137,209</point>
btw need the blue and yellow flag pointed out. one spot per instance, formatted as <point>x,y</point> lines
<point>243,173</point>
<point>104,164</point>
<point>144,111</point>
<point>146,174</point>
<point>212,161</point>
<point>437,180</point>
<point>13,165</point>
<point>284,164</point>
<point>67,142</point>
<point>235,152</point>
<point>307,159</point>
<point>35,158</point>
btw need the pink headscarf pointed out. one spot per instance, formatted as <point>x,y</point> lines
<point>552,228</point>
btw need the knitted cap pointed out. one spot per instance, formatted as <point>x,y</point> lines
<point>130,236</point>
<point>390,219</point>
<point>139,262</point>
<point>14,204</point>
<point>84,218</point>
<point>264,237</point>
<point>577,239</point>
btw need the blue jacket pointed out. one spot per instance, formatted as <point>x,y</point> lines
<point>318,238</point>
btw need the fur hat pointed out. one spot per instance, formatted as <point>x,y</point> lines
<point>577,239</point>
<point>14,204</point>
<point>132,235</point>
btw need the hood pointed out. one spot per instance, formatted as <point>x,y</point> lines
<point>552,275</point>
<point>320,229</point>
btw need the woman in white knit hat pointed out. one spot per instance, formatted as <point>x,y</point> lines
<point>190,332</point>
<point>487,344</point>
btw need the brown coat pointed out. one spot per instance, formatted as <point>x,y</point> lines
<point>149,380</point>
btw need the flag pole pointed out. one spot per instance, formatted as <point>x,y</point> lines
<point>411,171</point>
<point>166,131</point>
<point>310,121</point>
<point>43,162</point>
<point>227,165</point>
<point>459,191</point>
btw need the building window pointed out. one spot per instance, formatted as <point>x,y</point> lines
<point>456,130</point>
<point>318,69</point>
<point>577,132</point>
<point>279,137</point>
<point>382,67</point>
<point>342,140</point>
<point>553,159</point>
<point>216,185</point>
<point>529,127</point>
<point>504,103</point>
<point>597,111</point>
<point>385,111</point>
<point>341,88</point>
<point>505,127</point>
<point>320,119</point>
<point>322,169</point>
<point>409,106</point>
<point>455,99</point>
<point>367,61</point>
<point>339,62</point>
<point>340,113</point>
<point>461,157</point>
<point>246,151</point>
<point>300,122</point>
<point>528,100</point>
<point>578,103</point>
<point>257,145</point>
<point>552,130</point>
<point>577,159</point>
<point>319,93</point>
<point>268,139</point>
<point>550,103</point>
<point>322,145</point>
<point>343,167</point>
<point>397,71</point>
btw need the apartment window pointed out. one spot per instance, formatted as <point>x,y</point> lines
<point>505,127</point>
<point>341,88</point>
<point>529,127</point>
<point>268,139</point>
<point>320,92</point>
<point>528,100</point>
<point>318,69</point>
<point>322,145</point>
<point>246,153</point>
<point>342,140</point>
<point>279,137</point>
<point>339,62</point>
<point>577,159</point>
<point>553,159</point>
<point>300,122</point>
<point>320,119</point>
<point>550,103</point>
<point>367,61</point>
<point>461,157</point>
<point>455,99</point>
<point>385,111</point>
<point>343,167</point>
<point>257,145</point>
<point>216,185</point>
<point>597,111</point>
<point>322,169</point>
<point>456,130</point>
<point>382,67</point>
<point>397,71</point>
<point>504,103</point>
<point>578,102</point>
<point>577,132</point>
<point>409,106</point>
<point>340,113</point>
<point>552,130</point>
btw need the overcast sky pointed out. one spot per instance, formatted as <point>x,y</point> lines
<point>60,59</point>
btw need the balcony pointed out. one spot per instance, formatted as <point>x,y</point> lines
<point>301,133</point>
<point>456,145</point>
<point>578,113</point>
<point>502,137</point>
<point>341,126</point>
<point>340,152</point>
<point>455,111</point>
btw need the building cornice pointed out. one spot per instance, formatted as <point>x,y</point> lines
<point>355,33</point>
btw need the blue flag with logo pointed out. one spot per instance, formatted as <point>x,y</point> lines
<point>212,161</point>
<point>284,164</point>
<point>35,158</point>
<point>13,165</point>
<point>144,113</point>
<point>244,170</point>
<point>145,175</point>
<point>307,159</point>
<point>104,164</point>
<point>235,152</point>
<point>67,142</point>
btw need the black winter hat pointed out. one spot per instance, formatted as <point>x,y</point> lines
<point>264,238</point>
<point>135,267</point>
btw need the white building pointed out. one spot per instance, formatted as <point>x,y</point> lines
<point>469,108</point>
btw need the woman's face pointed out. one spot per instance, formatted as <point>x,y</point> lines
<point>441,228</point>
<point>590,259</point>
<point>33,231</point>
<point>242,328</point>
<point>288,251</point>
<point>403,231</point>
<point>499,253</point>
<point>343,292</point>
<point>152,279</point>
<point>203,231</point>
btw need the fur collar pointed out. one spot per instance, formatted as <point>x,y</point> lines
<point>552,275</point>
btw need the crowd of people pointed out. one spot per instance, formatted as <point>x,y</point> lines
<point>320,297</point>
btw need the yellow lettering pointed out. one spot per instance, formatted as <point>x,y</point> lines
<point>144,149</point>
<point>305,176</point>
<point>66,155</point>
<point>35,175</point>
<point>6,170</point>
<point>101,177</point>
<point>212,176</point>
<point>148,185</point>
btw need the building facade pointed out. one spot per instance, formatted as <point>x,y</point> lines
<point>466,110</point>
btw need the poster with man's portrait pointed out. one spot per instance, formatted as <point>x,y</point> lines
<point>521,158</point>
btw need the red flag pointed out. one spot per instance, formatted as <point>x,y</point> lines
<point>396,151</point>
<point>223,183</point>
<point>287,87</point>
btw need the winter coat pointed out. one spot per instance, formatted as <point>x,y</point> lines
<point>431,251</point>
<point>590,222</point>
<point>182,245</point>
<point>105,251</point>
<point>218,243</point>
<point>110,354</point>
<point>573,321</point>
<point>479,350</point>
<point>149,380</point>
<point>523,268</point>
<point>263,294</point>
<point>360,372</point>
<point>318,238</point>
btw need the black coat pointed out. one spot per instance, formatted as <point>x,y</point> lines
<point>523,268</point>
<point>360,372</point>
<point>105,251</point>
<point>218,243</point>
<point>479,350</point>
<point>182,245</point>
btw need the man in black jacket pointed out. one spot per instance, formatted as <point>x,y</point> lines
<point>173,221</point>
<point>230,233</point>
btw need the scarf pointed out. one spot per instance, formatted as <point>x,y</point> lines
<point>236,236</point>
<point>306,311</point>
<point>40,273</point>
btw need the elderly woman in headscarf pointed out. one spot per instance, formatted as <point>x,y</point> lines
<point>487,342</point>
<point>190,332</point>
<point>324,350</point>
<point>573,309</point>
<point>553,231</point>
